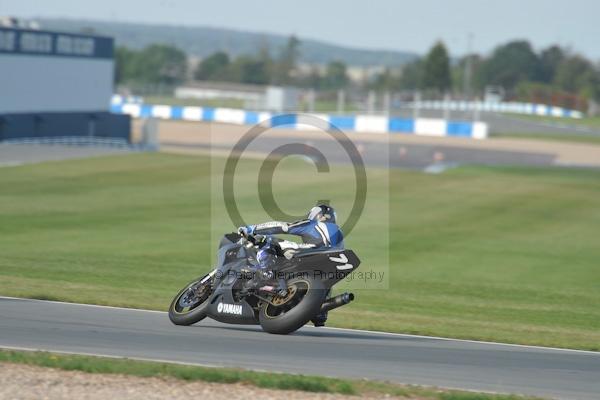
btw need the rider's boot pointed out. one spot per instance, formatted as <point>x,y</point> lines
<point>320,319</point>
<point>257,277</point>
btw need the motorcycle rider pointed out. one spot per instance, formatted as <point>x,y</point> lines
<point>318,230</point>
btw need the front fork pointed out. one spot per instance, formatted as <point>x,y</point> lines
<point>210,275</point>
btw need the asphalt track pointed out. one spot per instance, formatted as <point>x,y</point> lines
<point>396,151</point>
<point>76,328</point>
<point>397,155</point>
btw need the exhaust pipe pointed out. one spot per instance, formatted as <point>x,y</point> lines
<point>337,301</point>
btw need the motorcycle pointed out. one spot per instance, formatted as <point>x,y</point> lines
<point>294,292</point>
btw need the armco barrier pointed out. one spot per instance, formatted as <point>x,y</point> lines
<point>503,107</point>
<point>356,123</point>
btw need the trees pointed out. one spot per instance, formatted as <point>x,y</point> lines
<point>466,75</point>
<point>576,74</point>
<point>162,64</point>
<point>510,64</point>
<point>286,63</point>
<point>385,80</point>
<point>125,60</point>
<point>550,59</point>
<point>260,69</point>
<point>335,76</point>
<point>212,66</point>
<point>551,74</point>
<point>436,69</point>
<point>411,76</point>
<point>246,69</point>
<point>158,63</point>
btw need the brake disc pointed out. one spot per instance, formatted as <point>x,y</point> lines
<point>279,300</point>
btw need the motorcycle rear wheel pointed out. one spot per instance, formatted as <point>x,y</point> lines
<point>290,313</point>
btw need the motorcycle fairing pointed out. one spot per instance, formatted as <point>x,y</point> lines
<point>329,265</point>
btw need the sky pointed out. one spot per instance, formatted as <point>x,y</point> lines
<point>376,24</point>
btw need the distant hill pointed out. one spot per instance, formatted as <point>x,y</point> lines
<point>203,41</point>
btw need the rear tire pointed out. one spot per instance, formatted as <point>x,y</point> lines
<point>197,312</point>
<point>280,321</point>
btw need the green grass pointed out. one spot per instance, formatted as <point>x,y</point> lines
<point>559,137</point>
<point>320,106</point>
<point>329,106</point>
<point>501,254</point>
<point>173,101</point>
<point>266,380</point>
<point>591,122</point>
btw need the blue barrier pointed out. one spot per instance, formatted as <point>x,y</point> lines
<point>357,123</point>
<point>402,125</point>
<point>463,129</point>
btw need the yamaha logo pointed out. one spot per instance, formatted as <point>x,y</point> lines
<point>225,308</point>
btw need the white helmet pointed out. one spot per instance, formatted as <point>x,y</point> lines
<point>322,210</point>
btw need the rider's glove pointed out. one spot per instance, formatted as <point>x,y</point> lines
<point>245,231</point>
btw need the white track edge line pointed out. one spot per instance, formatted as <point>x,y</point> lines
<point>405,335</point>
<point>82,304</point>
<point>134,358</point>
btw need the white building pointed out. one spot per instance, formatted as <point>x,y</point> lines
<point>255,97</point>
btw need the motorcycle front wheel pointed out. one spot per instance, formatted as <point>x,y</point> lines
<point>191,303</point>
<point>289,313</point>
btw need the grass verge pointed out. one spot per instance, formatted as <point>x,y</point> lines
<point>227,375</point>
<point>190,102</point>
<point>591,122</point>
<point>558,137</point>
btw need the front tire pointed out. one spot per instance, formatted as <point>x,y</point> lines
<point>306,295</point>
<point>191,303</point>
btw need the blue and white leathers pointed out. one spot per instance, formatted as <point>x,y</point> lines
<point>317,234</point>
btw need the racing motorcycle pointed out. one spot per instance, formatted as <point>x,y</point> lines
<point>293,293</point>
